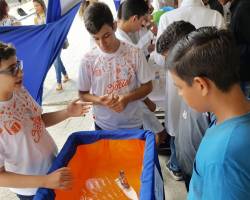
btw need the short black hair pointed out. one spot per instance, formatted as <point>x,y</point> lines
<point>97,15</point>
<point>6,51</point>
<point>209,53</point>
<point>172,34</point>
<point>130,8</point>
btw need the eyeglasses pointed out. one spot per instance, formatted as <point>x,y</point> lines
<point>13,69</point>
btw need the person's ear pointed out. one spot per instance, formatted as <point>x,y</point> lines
<point>114,26</point>
<point>134,18</point>
<point>202,85</point>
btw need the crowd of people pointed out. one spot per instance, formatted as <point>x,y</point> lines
<point>207,109</point>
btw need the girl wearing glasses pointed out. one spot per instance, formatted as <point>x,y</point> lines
<point>26,149</point>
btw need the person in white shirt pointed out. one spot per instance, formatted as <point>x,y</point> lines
<point>26,149</point>
<point>194,12</point>
<point>114,75</point>
<point>131,15</point>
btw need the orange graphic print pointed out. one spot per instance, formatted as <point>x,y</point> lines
<point>117,85</point>
<point>21,115</point>
<point>37,128</point>
<point>97,72</point>
<point>12,127</point>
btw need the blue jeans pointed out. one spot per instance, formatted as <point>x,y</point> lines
<point>173,163</point>
<point>21,197</point>
<point>60,69</point>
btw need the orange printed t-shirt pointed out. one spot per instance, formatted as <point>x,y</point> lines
<point>25,145</point>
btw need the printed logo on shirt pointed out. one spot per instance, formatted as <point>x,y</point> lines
<point>12,127</point>
<point>184,114</point>
<point>37,128</point>
<point>117,85</point>
<point>18,116</point>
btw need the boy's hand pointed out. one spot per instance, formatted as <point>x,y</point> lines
<point>120,104</point>
<point>77,108</point>
<point>59,179</point>
<point>108,100</point>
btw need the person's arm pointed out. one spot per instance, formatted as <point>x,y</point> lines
<point>59,179</point>
<point>74,109</point>
<point>86,96</point>
<point>140,92</point>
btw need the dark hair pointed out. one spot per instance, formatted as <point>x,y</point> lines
<point>172,34</point>
<point>3,9</point>
<point>209,53</point>
<point>41,2</point>
<point>6,51</point>
<point>215,5</point>
<point>97,15</point>
<point>130,8</point>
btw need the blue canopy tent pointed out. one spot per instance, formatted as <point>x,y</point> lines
<point>39,45</point>
<point>117,4</point>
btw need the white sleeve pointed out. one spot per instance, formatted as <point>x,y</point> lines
<point>144,72</point>
<point>145,39</point>
<point>84,76</point>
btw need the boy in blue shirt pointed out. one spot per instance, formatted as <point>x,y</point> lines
<point>187,125</point>
<point>205,68</point>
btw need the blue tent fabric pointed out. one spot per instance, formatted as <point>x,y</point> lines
<point>117,4</point>
<point>38,46</point>
<point>87,137</point>
<point>54,11</point>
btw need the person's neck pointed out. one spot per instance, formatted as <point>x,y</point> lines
<point>116,45</point>
<point>125,26</point>
<point>5,96</point>
<point>230,104</point>
<point>41,14</point>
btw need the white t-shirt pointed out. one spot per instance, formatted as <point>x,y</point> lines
<point>117,73</point>
<point>150,121</point>
<point>25,145</point>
